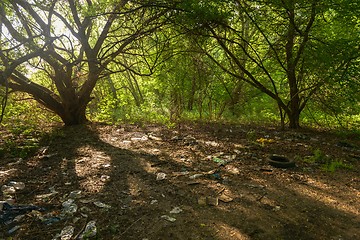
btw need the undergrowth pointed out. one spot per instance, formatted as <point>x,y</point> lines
<point>327,163</point>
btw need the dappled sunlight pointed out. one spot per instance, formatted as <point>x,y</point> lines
<point>224,231</point>
<point>345,201</point>
<point>175,189</point>
<point>329,200</point>
<point>134,186</point>
<point>92,168</point>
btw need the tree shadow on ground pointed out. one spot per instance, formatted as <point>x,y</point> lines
<point>118,167</point>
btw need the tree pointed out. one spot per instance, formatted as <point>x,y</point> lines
<point>270,45</point>
<point>75,43</point>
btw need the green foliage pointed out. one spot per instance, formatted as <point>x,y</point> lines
<point>332,166</point>
<point>168,75</point>
<point>203,13</point>
<point>21,141</point>
<point>317,157</point>
<point>327,163</point>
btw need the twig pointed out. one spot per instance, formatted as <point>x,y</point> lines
<point>130,226</point>
<point>81,230</point>
<point>220,191</point>
<point>261,197</point>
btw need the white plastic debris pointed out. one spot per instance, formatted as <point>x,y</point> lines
<point>160,176</point>
<point>101,205</point>
<point>153,202</point>
<point>75,194</point>
<point>69,207</point>
<point>8,189</point>
<point>67,232</point>
<point>176,210</point>
<point>104,178</point>
<point>152,137</point>
<point>17,185</point>
<point>196,176</point>
<point>90,230</point>
<point>168,218</point>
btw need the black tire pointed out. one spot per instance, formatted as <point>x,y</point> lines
<point>280,162</point>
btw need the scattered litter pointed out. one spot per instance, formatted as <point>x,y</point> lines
<point>168,218</point>
<point>45,196</point>
<point>52,189</point>
<point>225,198</point>
<point>90,230</point>
<point>219,161</point>
<point>212,143</point>
<point>18,218</point>
<point>104,178</point>
<point>101,205</point>
<point>106,165</point>
<point>52,220</point>
<point>11,187</point>
<point>233,170</point>
<point>277,208</point>
<point>75,194</point>
<point>67,232</point>
<point>14,229</point>
<point>8,190</point>
<point>44,150</point>
<point>176,210</point>
<point>237,151</point>
<point>9,213</point>
<point>216,176</point>
<point>254,185</point>
<point>143,138</point>
<point>69,207</point>
<point>212,201</point>
<point>160,176</point>
<point>196,176</point>
<point>152,137</point>
<point>265,140</point>
<point>153,202</point>
<point>180,173</point>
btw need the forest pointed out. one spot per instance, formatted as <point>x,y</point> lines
<point>179,119</point>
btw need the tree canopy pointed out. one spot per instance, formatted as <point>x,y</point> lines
<point>190,55</point>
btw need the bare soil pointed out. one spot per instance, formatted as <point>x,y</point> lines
<point>198,181</point>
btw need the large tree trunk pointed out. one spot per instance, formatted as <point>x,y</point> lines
<point>294,104</point>
<point>294,120</point>
<point>69,106</point>
<point>74,115</point>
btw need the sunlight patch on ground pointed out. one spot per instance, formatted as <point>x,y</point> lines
<point>225,231</point>
<point>134,186</point>
<point>93,169</point>
<point>317,184</point>
<point>327,199</point>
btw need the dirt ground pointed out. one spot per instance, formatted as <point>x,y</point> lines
<point>198,181</point>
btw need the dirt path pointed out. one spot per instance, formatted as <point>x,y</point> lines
<point>199,182</point>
